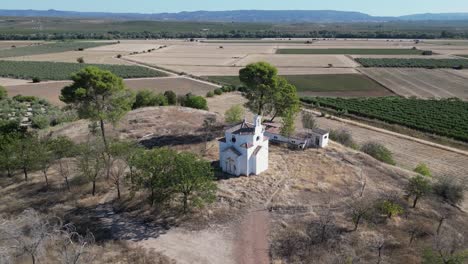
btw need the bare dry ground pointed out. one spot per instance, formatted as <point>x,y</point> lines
<point>421,83</point>
<point>51,90</point>
<point>8,81</point>
<point>96,57</point>
<point>9,44</point>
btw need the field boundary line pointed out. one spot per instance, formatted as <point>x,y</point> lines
<point>171,74</point>
<point>388,132</point>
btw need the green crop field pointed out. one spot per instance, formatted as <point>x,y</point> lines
<point>413,63</point>
<point>63,71</point>
<point>50,48</point>
<point>319,82</point>
<point>447,117</point>
<point>352,51</point>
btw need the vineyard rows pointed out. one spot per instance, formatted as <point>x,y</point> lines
<point>448,117</point>
<point>413,63</point>
<point>50,48</point>
<point>63,71</point>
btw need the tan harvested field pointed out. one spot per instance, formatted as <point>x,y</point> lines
<point>51,90</point>
<point>8,81</point>
<point>320,61</point>
<point>422,83</point>
<point>9,44</point>
<point>96,57</point>
<point>127,47</point>
<point>461,73</point>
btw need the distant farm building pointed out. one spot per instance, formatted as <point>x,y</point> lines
<point>313,138</point>
<point>244,149</point>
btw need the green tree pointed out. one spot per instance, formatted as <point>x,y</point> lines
<point>154,172</point>
<point>98,95</point>
<point>285,99</point>
<point>418,187</point>
<point>171,97</point>
<point>234,114</point>
<point>193,180</point>
<point>91,161</point>
<point>288,124</point>
<point>261,80</point>
<point>391,208</point>
<point>27,158</point>
<point>3,93</point>
<point>423,169</point>
<point>9,152</point>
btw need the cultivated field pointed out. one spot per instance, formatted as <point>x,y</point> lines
<point>96,57</point>
<point>352,51</point>
<point>421,83</point>
<point>53,47</point>
<point>320,61</point>
<point>51,90</point>
<point>345,85</point>
<point>12,44</point>
<point>64,71</point>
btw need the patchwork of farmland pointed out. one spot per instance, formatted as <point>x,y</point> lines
<point>421,83</point>
<point>47,48</point>
<point>63,71</point>
<point>413,63</point>
<point>345,85</point>
<point>278,60</point>
<point>352,51</point>
<point>446,117</point>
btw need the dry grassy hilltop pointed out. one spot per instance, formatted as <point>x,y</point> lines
<point>274,217</point>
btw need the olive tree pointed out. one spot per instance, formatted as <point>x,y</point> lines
<point>418,187</point>
<point>194,180</point>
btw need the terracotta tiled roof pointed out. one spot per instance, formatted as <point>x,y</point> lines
<point>233,150</point>
<point>242,128</point>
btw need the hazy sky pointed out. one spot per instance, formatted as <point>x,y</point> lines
<point>373,7</point>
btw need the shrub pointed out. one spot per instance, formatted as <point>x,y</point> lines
<point>423,170</point>
<point>218,91</point>
<point>25,98</point>
<point>379,152</point>
<point>197,102</point>
<point>80,60</point>
<point>427,53</point>
<point>147,98</point>
<point>3,93</point>
<point>449,189</point>
<point>390,208</point>
<point>343,137</point>
<point>36,80</point>
<point>119,56</point>
<point>171,97</point>
<point>40,121</point>
<point>210,94</point>
<point>234,114</point>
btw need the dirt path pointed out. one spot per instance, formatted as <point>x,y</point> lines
<point>252,245</point>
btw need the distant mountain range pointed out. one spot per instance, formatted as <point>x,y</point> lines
<point>267,16</point>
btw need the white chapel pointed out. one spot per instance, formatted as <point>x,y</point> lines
<point>244,149</point>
